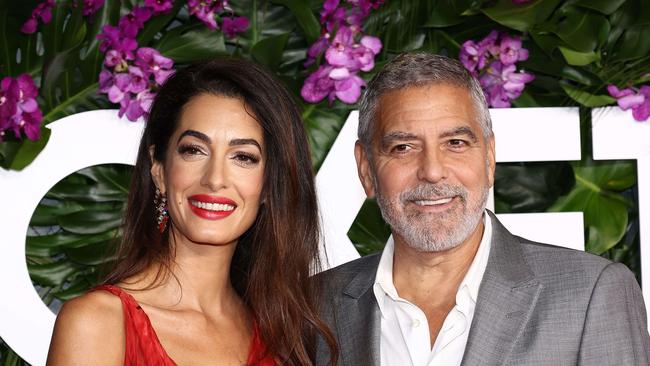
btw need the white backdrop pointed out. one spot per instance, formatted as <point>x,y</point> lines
<point>99,137</point>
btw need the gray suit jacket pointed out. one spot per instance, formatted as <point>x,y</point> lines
<point>537,305</point>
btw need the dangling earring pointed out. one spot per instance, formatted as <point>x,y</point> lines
<point>162,214</point>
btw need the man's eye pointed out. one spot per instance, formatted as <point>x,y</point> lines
<point>457,143</point>
<point>401,148</point>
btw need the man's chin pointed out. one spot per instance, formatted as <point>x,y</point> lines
<point>438,246</point>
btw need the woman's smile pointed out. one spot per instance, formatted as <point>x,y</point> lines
<point>211,207</point>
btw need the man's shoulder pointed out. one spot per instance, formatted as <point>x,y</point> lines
<point>344,273</point>
<point>552,262</point>
<point>354,267</point>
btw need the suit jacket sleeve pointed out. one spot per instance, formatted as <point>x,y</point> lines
<point>615,330</point>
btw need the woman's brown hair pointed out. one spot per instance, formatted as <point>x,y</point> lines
<point>272,261</point>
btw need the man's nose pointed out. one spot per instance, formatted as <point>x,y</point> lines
<point>432,167</point>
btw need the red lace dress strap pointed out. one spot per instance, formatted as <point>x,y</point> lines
<point>257,355</point>
<point>142,345</point>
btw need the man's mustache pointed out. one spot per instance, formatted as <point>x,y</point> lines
<point>427,191</point>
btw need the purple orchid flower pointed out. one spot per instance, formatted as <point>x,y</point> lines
<point>105,81</point>
<point>492,60</point>
<point>8,104</point>
<point>29,26</point>
<point>348,89</point>
<point>92,6</point>
<point>119,88</point>
<point>331,15</point>
<point>470,54</point>
<point>642,112</point>
<point>638,101</point>
<point>137,107</point>
<point>205,10</point>
<point>112,39</point>
<point>501,84</point>
<point>109,37</point>
<point>159,6</point>
<point>19,110</point>
<point>139,81</point>
<point>345,54</point>
<point>152,62</point>
<point>43,11</point>
<point>317,49</point>
<point>131,23</point>
<point>233,25</point>
<point>340,53</point>
<point>114,58</point>
<point>510,50</point>
<point>318,85</point>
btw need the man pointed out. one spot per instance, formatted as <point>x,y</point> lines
<point>454,287</point>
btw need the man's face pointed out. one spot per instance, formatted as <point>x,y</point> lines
<point>430,168</point>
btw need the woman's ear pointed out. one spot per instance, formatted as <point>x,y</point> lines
<point>157,170</point>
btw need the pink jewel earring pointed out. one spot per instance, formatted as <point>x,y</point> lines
<point>162,213</point>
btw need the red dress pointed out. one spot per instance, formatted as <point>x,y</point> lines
<point>143,347</point>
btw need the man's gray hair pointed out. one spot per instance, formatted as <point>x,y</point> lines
<point>414,70</point>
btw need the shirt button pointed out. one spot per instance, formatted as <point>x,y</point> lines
<point>416,323</point>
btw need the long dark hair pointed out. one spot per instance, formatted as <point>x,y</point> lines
<point>272,261</point>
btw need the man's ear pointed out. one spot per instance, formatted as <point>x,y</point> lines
<point>491,159</point>
<point>157,171</point>
<point>364,169</point>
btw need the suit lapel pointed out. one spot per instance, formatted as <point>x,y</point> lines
<point>358,320</point>
<point>506,300</point>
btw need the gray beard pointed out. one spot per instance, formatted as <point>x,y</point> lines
<point>432,232</point>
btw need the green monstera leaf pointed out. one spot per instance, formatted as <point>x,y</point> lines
<point>73,229</point>
<point>597,195</point>
<point>530,187</point>
<point>521,17</point>
<point>369,232</point>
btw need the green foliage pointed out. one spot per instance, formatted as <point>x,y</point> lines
<point>73,229</point>
<point>597,195</point>
<point>369,231</point>
<point>531,187</point>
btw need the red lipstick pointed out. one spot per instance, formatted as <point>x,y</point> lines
<point>207,209</point>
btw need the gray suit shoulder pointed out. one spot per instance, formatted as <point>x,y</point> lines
<point>550,260</point>
<point>351,269</point>
<point>333,279</point>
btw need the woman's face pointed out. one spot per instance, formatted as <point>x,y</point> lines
<point>214,171</point>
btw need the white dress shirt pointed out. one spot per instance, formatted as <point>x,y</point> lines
<point>405,335</point>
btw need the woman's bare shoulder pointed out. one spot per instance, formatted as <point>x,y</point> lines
<point>89,330</point>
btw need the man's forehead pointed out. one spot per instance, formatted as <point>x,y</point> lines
<point>442,108</point>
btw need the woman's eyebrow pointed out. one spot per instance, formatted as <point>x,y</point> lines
<point>236,142</point>
<point>199,135</point>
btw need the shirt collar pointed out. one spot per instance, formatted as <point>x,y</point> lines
<point>476,270</point>
<point>384,285</point>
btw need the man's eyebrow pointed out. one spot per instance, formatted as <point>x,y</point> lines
<point>463,130</point>
<point>237,142</point>
<point>391,137</point>
<point>199,135</point>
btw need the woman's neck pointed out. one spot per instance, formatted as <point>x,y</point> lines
<point>199,280</point>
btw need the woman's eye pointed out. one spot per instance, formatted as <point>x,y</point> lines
<point>246,159</point>
<point>190,150</point>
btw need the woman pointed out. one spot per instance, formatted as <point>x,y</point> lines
<point>220,231</point>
